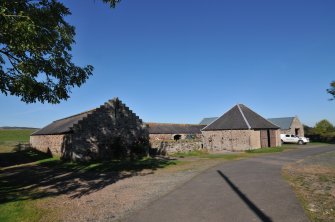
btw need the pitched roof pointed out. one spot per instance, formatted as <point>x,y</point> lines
<point>240,117</point>
<point>65,125</point>
<point>284,122</point>
<point>171,128</point>
<point>62,126</point>
<point>206,121</point>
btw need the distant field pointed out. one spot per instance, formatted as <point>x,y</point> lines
<point>11,137</point>
<point>16,135</point>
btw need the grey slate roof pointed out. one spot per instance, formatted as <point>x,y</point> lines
<point>171,128</point>
<point>62,126</point>
<point>206,121</point>
<point>284,122</point>
<point>240,117</point>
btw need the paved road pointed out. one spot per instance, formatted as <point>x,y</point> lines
<point>245,190</point>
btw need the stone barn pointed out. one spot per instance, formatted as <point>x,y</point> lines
<point>289,125</point>
<point>240,129</point>
<point>170,131</point>
<point>109,131</point>
<point>167,138</point>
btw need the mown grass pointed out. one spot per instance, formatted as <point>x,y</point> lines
<point>23,211</point>
<point>267,150</point>
<point>108,166</point>
<point>9,139</point>
<point>15,135</point>
<point>229,156</point>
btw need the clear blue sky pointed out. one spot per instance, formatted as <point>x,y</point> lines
<point>179,61</point>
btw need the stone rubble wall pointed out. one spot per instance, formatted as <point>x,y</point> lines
<point>231,140</point>
<point>111,131</point>
<point>160,137</point>
<point>48,143</point>
<point>170,146</point>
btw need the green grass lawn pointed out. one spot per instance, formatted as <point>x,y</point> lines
<point>10,138</point>
<point>15,135</point>
<point>230,156</point>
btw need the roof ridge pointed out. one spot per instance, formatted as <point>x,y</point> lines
<point>192,124</point>
<point>245,119</point>
<point>76,114</point>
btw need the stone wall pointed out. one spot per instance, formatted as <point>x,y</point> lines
<point>296,124</point>
<point>110,131</point>
<point>231,140</point>
<point>171,146</point>
<point>48,143</point>
<point>160,137</point>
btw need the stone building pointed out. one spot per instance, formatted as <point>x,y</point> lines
<point>171,131</point>
<point>110,131</point>
<point>240,129</point>
<point>289,125</point>
<point>167,138</point>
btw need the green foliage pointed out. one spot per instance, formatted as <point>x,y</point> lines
<point>331,90</point>
<point>324,126</point>
<point>35,46</point>
<point>323,131</point>
<point>308,130</point>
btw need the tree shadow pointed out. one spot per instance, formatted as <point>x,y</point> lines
<point>262,216</point>
<point>54,177</point>
<point>18,157</point>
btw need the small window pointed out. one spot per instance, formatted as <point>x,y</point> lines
<point>287,135</point>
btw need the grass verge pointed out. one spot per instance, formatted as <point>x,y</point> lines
<point>24,211</point>
<point>230,156</point>
<point>313,181</point>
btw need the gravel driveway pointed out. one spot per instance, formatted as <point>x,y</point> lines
<point>245,190</point>
<point>119,199</point>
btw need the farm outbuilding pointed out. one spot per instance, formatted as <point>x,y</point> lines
<point>289,125</point>
<point>110,131</point>
<point>167,138</point>
<point>172,131</point>
<point>240,129</point>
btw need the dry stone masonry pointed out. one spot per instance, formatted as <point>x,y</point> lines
<point>110,131</point>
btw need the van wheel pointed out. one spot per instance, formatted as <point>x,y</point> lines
<point>300,142</point>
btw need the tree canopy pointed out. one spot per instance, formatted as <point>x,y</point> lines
<point>324,126</point>
<point>331,90</point>
<point>35,45</point>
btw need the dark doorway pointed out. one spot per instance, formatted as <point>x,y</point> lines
<point>177,137</point>
<point>264,138</point>
<point>297,131</point>
<point>269,138</point>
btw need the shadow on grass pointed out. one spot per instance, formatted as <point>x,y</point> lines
<point>53,177</point>
<point>21,157</point>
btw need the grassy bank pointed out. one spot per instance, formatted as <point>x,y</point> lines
<point>313,181</point>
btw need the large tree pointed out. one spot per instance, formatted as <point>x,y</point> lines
<point>324,126</point>
<point>35,46</point>
<point>331,90</point>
